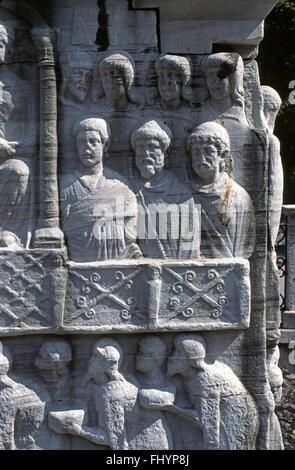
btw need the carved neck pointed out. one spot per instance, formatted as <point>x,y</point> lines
<point>96,170</point>
<point>120,102</point>
<point>221,106</point>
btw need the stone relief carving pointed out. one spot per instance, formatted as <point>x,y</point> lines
<point>14,173</point>
<point>174,81</point>
<point>272,104</point>
<point>152,247</point>
<point>121,423</point>
<point>77,76</point>
<point>98,210</point>
<point>222,407</point>
<point>228,223</point>
<point>116,74</point>
<point>225,104</point>
<point>275,378</point>
<point>159,237</point>
<point>21,411</point>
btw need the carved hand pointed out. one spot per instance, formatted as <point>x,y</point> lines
<point>7,149</point>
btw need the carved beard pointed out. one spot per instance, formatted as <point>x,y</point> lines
<point>78,92</point>
<point>149,169</point>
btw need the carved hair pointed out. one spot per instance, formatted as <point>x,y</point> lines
<point>271,99</point>
<point>216,134</point>
<point>74,59</point>
<point>110,350</point>
<point>153,129</point>
<point>183,67</point>
<point>125,64</point>
<point>231,65</point>
<point>3,34</point>
<point>94,124</point>
<point>155,347</point>
<point>193,345</point>
<point>55,350</point>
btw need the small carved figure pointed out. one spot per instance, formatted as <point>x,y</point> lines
<point>228,217</point>
<point>271,105</point>
<point>117,78</point>
<point>224,78</point>
<point>275,378</point>
<point>121,423</point>
<point>174,80</point>
<point>21,411</point>
<point>150,359</point>
<point>55,389</point>
<point>167,221</point>
<point>14,173</point>
<point>20,108</point>
<point>52,364</point>
<point>223,408</point>
<point>99,211</point>
<point>77,74</point>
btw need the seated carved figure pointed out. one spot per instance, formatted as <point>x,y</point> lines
<point>98,210</point>
<point>121,423</point>
<point>14,173</point>
<point>223,409</point>
<point>167,219</point>
<point>228,218</point>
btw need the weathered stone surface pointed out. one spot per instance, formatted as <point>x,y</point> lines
<point>141,189</point>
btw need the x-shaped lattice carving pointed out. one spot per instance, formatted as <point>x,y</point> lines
<point>199,290</point>
<point>86,305</point>
<point>22,274</point>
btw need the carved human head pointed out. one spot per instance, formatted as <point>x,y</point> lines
<point>92,137</point>
<point>174,78</point>
<point>117,75</point>
<point>105,359</point>
<point>5,360</point>
<point>224,73</point>
<point>189,351</point>
<point>271,105</point>
<point>275,375</point>
<point>194,348</point>
<point>209,147</point>
<point>53,360</point>
<point>3,42</point>
<point>150,142</point>
<point>152,353</point>
<point>77,74</point>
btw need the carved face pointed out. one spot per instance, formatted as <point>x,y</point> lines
<point>149,157</point>
<point>177,362</point>
<point>205,160</point>
<point>97,365</point>
<point>113,82</point>
<point>90,148</point>
<point>51,370</point>
<point>79,83</point>
<point>169,84</point>
<point>218,85</point>
<point>144,362</point>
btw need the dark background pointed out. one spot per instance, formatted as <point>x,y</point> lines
<point>276,62</point>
